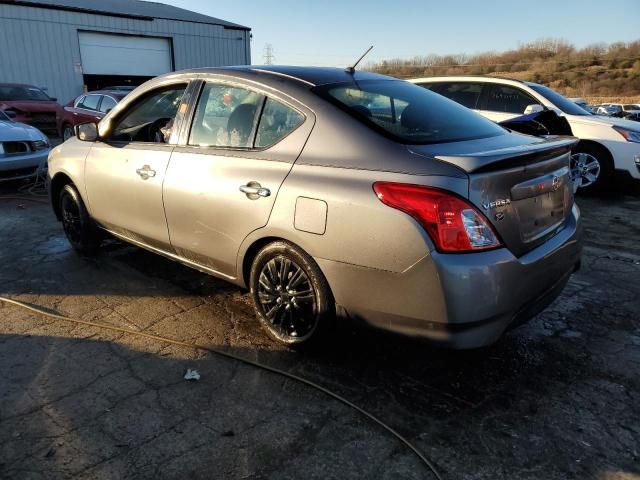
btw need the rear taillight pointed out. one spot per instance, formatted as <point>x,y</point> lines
<point>452,223</point>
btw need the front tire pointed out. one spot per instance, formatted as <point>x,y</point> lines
<point>291,296</point>
<point>591,168</point>
<point>80,229</point>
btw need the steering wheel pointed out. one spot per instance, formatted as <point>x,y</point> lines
<point>154,133</point>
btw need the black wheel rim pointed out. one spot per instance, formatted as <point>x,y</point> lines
<point>287,300</point>
<point>71,222</point>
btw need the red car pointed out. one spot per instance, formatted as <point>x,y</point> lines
<point>30,105</point>
<point>88,107</point>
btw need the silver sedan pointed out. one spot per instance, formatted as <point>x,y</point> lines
<point>23,150</point>
<point>330,194</point>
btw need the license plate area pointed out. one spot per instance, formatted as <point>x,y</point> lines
<point>542,215</point>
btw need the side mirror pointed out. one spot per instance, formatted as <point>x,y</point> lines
<point>533,108</point>
<point>87,132</point>
<point>10,113</point>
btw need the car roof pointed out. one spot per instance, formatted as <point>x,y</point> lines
<point>312,76</point>
<point>113,93</point>
<point>474,78</point>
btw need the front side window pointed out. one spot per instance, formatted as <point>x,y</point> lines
<point>226,117</point>
<point>408,113</point>
<point>107,104</point>
<point>276,122</point>
<point>563,103</point>
<point>90,102</point>
<point>506,99</point>
<point>150,118</point>
<point>464,93</point>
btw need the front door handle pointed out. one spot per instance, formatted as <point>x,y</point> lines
<point>146,172</point>
<point>254,190</point>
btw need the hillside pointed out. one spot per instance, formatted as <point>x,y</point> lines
<point>598,72</point>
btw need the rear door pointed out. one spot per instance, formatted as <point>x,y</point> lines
<point>224,176</point>
<point>87,109</point>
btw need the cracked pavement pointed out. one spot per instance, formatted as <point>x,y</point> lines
<point>556,398</point>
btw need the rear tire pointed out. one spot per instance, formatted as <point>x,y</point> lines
<point>291,296</point>
<point>80,229</point>
<point>591,168</point>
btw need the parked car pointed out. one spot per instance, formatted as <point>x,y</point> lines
<point>606,110</point>
<point>88,107</point>
<point>628,111</point>
<point>30,105</point>
<point>583,103</point>
<point>606,144</point>
<point>422,218</point>
<point>23,150</point>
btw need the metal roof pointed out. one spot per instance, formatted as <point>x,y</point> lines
<point>137,9</point>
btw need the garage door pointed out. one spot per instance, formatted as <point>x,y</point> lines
<point>104,54</point>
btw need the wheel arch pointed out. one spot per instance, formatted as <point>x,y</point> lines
<point>249,251</point>
<point>597,146</point>
<point>57,184</point>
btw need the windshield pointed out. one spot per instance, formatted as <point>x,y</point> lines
<point>408,113</point>
<point>4,117</point>
<point>563,103</point>
<point>11,92</point>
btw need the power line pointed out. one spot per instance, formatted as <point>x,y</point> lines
<point>269,57</point>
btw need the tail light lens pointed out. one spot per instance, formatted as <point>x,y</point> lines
<point>453,224</point>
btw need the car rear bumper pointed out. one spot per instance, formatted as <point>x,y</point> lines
<point>16,167</point>
<point>461,301</point>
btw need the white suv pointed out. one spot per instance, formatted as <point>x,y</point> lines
<point>606,144</point>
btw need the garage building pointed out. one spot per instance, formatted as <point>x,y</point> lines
<point>67,46</point>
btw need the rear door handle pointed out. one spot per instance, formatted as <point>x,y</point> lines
<point>255,190</point>
<point>146,172</point>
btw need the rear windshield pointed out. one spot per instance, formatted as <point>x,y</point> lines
<point>563,103</point>
<point>408,113</point>
<point>22,93</point>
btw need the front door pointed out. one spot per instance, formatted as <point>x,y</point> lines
<point>124,172</point>
<point>504,102</point>
<point>222,182</point>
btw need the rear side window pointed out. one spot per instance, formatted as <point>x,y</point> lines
<point>107,104</point>
<point>503,98</point>
<point>464,93</point>
<point>90,102</point>
<point>277,121</point>
<point>408,113</point>
<point>225,117</point>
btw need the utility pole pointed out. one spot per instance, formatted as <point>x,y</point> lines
<point>269,57</point>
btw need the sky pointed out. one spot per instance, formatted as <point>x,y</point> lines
<point>336,33</point>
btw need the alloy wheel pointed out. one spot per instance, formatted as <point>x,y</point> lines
<point>287,300</point>
<point>71,222</point>
<point>585,169</point>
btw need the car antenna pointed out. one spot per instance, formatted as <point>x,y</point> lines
<point>352,68</point>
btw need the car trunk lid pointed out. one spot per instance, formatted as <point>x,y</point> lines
<point>524,190</point>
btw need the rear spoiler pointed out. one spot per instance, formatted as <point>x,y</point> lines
<point>522,155</point>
